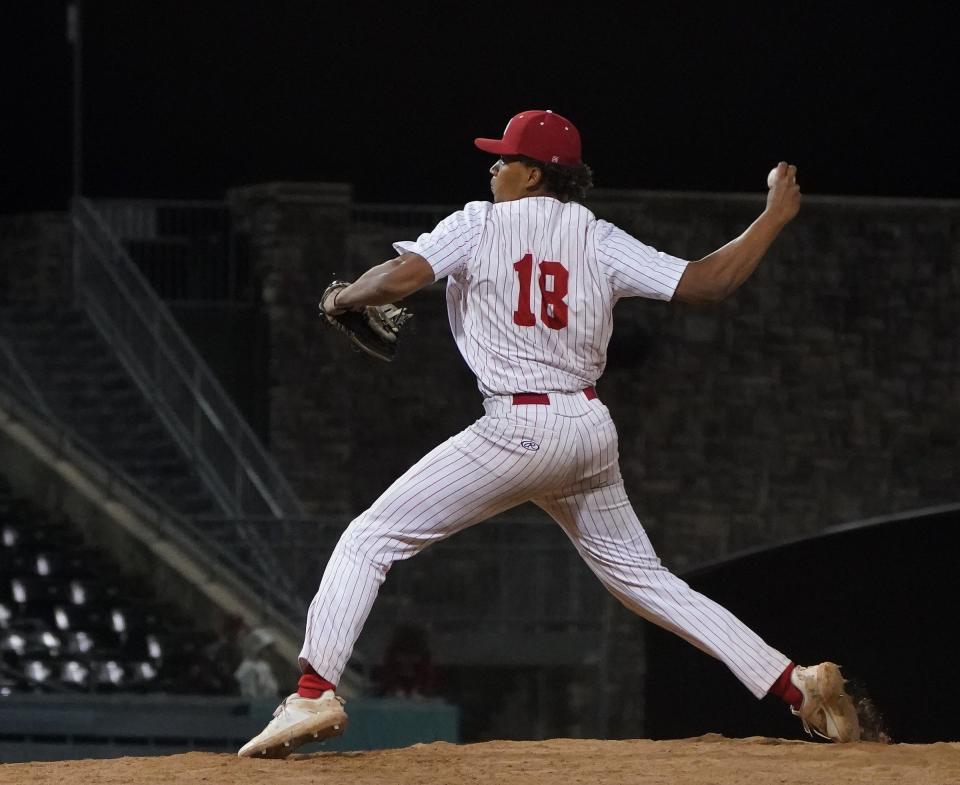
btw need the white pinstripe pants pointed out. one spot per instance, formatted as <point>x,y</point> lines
<point>574,475</point>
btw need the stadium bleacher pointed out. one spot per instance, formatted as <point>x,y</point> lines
<point>70,620</point>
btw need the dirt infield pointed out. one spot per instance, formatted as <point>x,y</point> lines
<point>707,759</point>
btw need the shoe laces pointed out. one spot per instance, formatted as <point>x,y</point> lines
<point>806,726</point>
<point>281,709</point>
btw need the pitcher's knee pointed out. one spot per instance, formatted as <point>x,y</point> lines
<point>365,542</point>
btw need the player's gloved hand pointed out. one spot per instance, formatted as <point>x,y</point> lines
<point>328,303</point>
<point>783,198</point>
<point>373,329</point>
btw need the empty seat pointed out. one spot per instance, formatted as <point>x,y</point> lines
<point>86,644</point>
<point>68,563</point>
<point>141,674</point>
<point>107,675</point>
<point>12,642</point>
<point>36,592</point>
<point>74,673</point>
<point>84,591</point>
<point>140,645</point>
<point>38,671</point>
<point>70,618</point>
<point>78,591</point>
<point>18,590</point>
<point>133,618</point>
<point>80,642</point>
<point>42,643</point>
<point>10,683</point>
<point>29,532</point>
<point>69,591</point>
<point>16,561</point>
<point>43,563</point>
<point>65,616</point>
<point>18,648</point>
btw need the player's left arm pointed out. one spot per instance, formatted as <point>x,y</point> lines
<point>385,283</point>
<point>720,274</point>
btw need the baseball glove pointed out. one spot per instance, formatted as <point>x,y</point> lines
<point>373,329</point>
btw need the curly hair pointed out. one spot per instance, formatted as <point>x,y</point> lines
<point>567,183</point>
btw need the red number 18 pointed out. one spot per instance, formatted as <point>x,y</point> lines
<point>553,310</point>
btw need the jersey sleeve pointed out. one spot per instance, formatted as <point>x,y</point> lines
<point>635,269</point>
<point>452,242</point>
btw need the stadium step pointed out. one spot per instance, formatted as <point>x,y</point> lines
<point>88,389</point>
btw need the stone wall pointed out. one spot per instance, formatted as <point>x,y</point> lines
<point>825,390</point>
<point>35,261</point>
<point>295,233</point>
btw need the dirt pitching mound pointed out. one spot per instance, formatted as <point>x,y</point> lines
<point>709,759</point>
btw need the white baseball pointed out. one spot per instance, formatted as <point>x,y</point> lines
<point>772,177</point>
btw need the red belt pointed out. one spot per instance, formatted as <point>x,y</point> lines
<point>542,398</point>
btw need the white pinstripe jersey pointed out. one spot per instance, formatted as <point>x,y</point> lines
<point>531,285</point>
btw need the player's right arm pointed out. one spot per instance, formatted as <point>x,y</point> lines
<point>720,274</point>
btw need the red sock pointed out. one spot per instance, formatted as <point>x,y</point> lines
<point>312,684</point>
<point>784,689</point>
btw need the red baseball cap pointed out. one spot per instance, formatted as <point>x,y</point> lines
<point>539,134</point>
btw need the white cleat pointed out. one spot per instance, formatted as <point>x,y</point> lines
<point>826,710</point>
<point>296,721</point>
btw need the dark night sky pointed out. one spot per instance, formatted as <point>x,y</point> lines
<point>187,99</point>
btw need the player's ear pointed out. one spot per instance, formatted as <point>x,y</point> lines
<point>534,177</point>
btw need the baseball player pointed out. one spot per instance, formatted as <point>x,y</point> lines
<point>532,279</point>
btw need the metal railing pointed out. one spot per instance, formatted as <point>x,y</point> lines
<point>240,474</point>
<point>154,219</point>
<point>188,251</point>
<point>185,249</point>
<point>510,575</point>
<point>417,217</point>
<point>374,227</point>
<point>259,586</point>
<point>231,551</point>
<point>19,381</point>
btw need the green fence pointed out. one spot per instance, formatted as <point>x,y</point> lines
<point>67,727</point>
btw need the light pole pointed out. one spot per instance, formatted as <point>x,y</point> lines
<point>75,37</point>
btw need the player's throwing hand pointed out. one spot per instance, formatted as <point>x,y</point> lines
<point>783,199</point>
